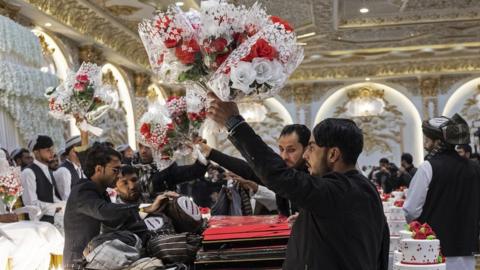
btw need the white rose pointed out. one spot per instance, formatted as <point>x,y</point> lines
<point>263,68</point>
<point>242,76</point>
<point>278,76</point>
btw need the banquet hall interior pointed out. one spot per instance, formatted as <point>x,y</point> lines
<point>388,65</point>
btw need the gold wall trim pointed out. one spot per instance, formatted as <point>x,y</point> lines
<point>404,68</point>
<point>87,22</point>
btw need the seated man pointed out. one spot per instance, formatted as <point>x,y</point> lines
<point>89,205</point>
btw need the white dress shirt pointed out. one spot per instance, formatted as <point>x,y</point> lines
<point>264,196</point>
<point>417,192</point>
<point>30,197</point>
<point>63,179</point>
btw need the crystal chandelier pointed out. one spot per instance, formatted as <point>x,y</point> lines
<point>365,101</point>
<point>253,112</point>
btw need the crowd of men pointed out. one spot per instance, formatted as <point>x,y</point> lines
<point>335,210</point>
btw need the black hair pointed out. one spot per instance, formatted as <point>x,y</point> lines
<point>20,153</point>
<point>302,131</point>
<point>67,150</point>
<point>407,158</point>
<point>466,147</point>
<point>341,133</point>
<point>127,169</point>
<point>384,160</point>
<point>98,154</point>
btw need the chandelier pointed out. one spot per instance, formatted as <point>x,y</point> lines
<point>365,101</point>
<point>253,112</point>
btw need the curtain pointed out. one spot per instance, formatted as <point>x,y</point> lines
<point>9,136</point>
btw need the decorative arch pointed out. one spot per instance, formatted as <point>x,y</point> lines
<point>465,101</point>
<point>125,101</point>
<point>397,129</point>
<point>277,117</point>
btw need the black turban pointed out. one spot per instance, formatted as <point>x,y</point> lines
<point>453,130</point>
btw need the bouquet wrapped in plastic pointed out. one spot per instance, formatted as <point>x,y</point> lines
<point>10,186</point>
<point>260,66</point>
<point>169,130</point>
<point>224,27</point>
<point>82,96</point>
<point>172,46</point>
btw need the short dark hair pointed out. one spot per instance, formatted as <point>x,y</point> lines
<point>466,147</point>
<point>302,131</point>
<point>20,153</point>
<point>98,154</point>
<point>341,133</point>
<point>127,169</point>
<point>407,158</point>
<point>384,160</point>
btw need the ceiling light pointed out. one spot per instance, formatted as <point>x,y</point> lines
<point>44,69</point>
<point>364,10</point>
<point>315,56</point>
<point>367,79</point>
<point>306,35</point>
<point>179,4</point>
<point>48,24</point>
<point>339,38</point>
<point>302,43</point>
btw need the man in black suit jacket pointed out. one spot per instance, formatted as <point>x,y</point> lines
<point>89,206</point>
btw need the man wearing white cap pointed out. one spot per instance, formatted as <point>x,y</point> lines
<point>70,171</point>
<point>21,157</point>
<point>40,187</point>
<point>127,153</point>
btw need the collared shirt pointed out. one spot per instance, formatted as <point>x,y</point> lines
<point>417,192</point>
<point>29,195</point>
<point>63,178</point>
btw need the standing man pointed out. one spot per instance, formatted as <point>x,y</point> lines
<point>127,153</point>
<point>445,192</point>
<point>407,170</point>
<point>22,157</point>
<point>39,185</point>
<point>70,171</point>
<point>292,143</point>
<point>341,225</point>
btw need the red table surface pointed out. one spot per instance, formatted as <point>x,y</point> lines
<point>244,227</point>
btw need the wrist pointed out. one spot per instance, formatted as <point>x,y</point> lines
<point>233,121</point>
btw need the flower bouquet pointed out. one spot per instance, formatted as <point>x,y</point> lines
<point>10,186</point>
<point>170,129</point>
<point>260,66</point>
<point>82,96</point>
<point>224,27</point>
<point>172,46</point>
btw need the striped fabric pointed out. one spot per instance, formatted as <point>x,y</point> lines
<point>174,248</point>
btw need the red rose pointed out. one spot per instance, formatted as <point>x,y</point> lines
<point>399,203</point>
<point>415,226</point>
<point>170,127</point>
<point>82,78</point>
<point>221,58</point>
<point>419,235</point>
<point>145,129</point>
<point>220,44</point>
<point>187,51</point>
<point>265,50</point>
<point>279,20</point>
<point>80,87</point>
<point>261,49</point>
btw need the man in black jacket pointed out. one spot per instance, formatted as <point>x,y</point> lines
<point>445,192</point>
<point>154,182</point>
<point>341,223</point>
<point>89,207</point>
<point>292,143</point>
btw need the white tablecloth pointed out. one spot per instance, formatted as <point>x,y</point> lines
<point>29,244</point>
